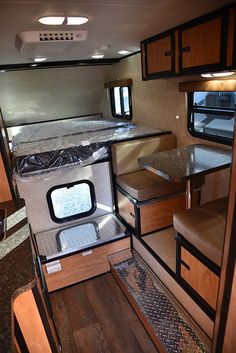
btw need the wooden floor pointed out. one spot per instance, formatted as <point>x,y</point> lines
<point>95,317</point>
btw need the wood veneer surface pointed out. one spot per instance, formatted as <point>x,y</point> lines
<point>164,245</point>
<point>95,316</point>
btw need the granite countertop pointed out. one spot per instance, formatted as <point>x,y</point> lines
<point>183,163</point>
<point>16,267</point>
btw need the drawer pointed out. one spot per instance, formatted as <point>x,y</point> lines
<point>126,209</point>
<point>84,265</point>
<point>159,215</point>
<point>204,282</point>
<point>154,215</point>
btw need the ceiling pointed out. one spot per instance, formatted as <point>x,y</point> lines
<point>118,24</point>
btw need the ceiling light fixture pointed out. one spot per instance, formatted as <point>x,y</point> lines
<point>79,20</point>
<point>97,56</point>
<point>52,20</point>
<point>40,59</point>
<point>124,52</point>
<point>34,65</point>
<point>63,20</point>
<point>218,74</point>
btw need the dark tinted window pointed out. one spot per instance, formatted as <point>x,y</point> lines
<point>211,115</point>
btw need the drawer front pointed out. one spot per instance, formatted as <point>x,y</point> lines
<point>199,277</point>
<point>126,209</point>
<point>160,214</point>
<point>79,267</point>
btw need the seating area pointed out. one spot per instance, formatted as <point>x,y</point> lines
<point>188,241</point>
<point>144,200</point>
<point>200,241</point>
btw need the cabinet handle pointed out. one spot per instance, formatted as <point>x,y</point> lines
<point>168,53</point>
<point>131,214</point>
<point>184,264</point>
<point>185,49</point>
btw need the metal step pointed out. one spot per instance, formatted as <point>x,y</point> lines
<point>170,327</point>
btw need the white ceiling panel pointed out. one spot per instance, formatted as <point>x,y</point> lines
<point>118,24</point>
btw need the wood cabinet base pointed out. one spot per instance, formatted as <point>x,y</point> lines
<point>149,217</point>
<point>84,265</point>
<point>32,325</point>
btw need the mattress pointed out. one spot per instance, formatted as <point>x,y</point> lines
<point>40,148</point>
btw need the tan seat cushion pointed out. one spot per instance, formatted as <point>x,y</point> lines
<point>144,185</point>
<point>125,154</point>
<point>204,227</point>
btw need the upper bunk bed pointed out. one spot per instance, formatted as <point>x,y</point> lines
<point>42,147</point>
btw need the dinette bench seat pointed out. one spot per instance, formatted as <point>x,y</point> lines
<point>200,242</point>
<point>144,185</point>
<point>145,200</point>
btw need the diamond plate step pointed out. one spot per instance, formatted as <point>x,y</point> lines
<point>170,328</point>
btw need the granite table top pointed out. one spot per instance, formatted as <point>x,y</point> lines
<point>16,267</point>
<point>184,163</point>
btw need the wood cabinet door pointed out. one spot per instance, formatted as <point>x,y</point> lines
<point>202,45</point>
<point>159,56</point>
<point>199,277</point>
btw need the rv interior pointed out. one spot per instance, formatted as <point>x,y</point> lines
<point>117,176</point>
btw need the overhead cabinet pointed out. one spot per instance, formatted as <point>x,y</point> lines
<point>202,45</point>
<point>160,55</point>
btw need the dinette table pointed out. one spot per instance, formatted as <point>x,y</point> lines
<point>186,163</point>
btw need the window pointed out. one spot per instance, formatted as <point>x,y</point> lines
<point>71,201</point>
<point>121,102</point>
<point>211,115</point>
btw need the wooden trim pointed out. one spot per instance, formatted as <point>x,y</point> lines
<point>208,86</point>
<point>30,322</point>
<point>230,36</point>
<point>119,83</point>
<point>176,52</point>
<point>143,60</point>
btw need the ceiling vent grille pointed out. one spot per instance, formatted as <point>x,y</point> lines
<point>39,43</point>
<point>55,36</point>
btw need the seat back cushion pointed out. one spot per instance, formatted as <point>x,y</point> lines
<point>125,154</point>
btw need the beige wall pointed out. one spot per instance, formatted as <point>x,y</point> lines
<point>158,103</point>
<point>45,94</point>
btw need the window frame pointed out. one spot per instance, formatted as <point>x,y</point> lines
<point>75,216</point>
<point>204,135</point>
<point>113,106</point>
